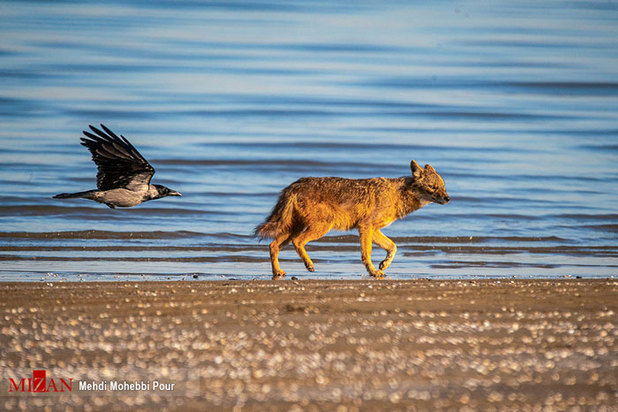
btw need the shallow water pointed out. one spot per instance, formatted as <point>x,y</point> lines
<point>514,104</point>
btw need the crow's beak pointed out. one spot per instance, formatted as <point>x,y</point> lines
<point>174,193</point>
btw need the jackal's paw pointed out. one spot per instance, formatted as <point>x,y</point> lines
<point>378,274</point>
<point>384,264</point>
<point>278,274</point>
<point>310,268</point>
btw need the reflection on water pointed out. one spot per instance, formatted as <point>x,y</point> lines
<point>514,104</point>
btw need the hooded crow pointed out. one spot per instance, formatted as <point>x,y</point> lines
<point>123,177</point>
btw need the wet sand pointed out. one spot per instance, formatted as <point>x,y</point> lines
<point>316,344</point>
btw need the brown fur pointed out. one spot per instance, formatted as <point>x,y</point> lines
<point>312,206</point>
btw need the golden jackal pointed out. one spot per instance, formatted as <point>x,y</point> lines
<point>310,207</point>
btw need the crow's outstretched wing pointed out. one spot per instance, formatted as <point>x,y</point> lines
<point>119,164</point>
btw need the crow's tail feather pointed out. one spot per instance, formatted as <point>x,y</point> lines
<point>87,195</point>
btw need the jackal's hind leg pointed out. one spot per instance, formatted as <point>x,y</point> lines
<point>366,235</point>
<point>385,243</point>
<point>275,246</point>
<point>311,233</point>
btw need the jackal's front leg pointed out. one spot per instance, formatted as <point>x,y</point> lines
<point>366,236</point>
<point>385,243</point>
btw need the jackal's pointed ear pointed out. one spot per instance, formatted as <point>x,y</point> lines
<point>416,169</point>
<point>430,168</point>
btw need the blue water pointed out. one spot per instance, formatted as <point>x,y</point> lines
<point>515,104</point>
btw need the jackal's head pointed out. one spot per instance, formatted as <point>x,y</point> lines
<point>428,184</point>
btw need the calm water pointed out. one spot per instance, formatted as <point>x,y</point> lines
<point>514,103</point>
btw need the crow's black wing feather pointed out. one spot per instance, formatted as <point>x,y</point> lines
<point>119,163</point>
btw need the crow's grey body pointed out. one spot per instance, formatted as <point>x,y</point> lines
<point>123,177</point>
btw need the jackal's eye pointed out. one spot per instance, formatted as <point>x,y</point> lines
<point>433,188</point>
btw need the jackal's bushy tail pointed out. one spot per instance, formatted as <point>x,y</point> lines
<point>281,219</point>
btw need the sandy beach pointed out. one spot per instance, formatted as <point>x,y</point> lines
<point>313,345</point>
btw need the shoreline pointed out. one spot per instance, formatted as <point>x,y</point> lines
<point>318,344</point>
<point>81,277</point>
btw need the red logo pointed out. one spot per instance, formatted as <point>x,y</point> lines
<point>39,383</point>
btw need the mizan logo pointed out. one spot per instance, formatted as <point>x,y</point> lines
<point>39,383</point>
